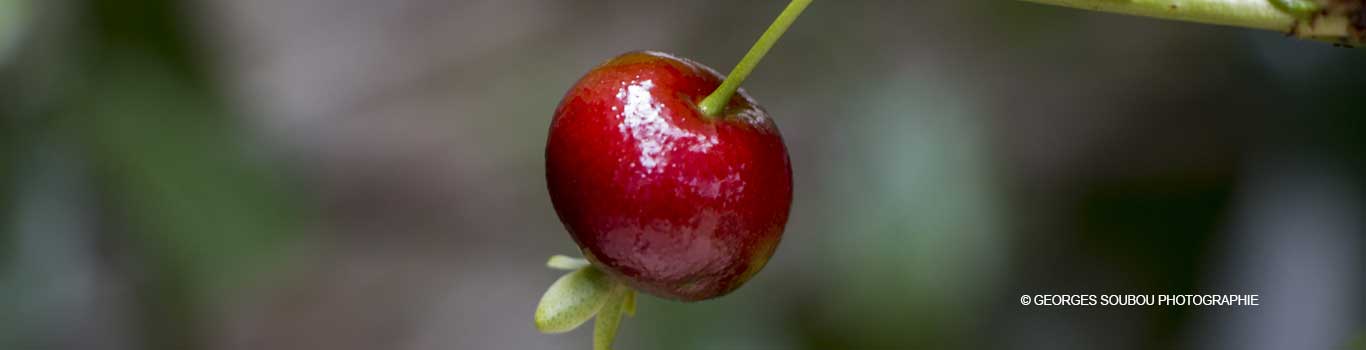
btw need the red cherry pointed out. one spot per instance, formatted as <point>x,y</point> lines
<point>664,198</point>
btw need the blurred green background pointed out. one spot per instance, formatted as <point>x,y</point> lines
<point>331,174</point>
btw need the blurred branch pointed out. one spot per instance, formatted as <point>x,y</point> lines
<point>1336,21</point>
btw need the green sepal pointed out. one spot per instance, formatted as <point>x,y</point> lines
<point>561,262</point>
<point>583,294</point>
<point>609,318</point>
<point>630,303</point>
<point>573,299</point>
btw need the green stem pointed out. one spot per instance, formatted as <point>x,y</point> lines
<point>716,102</point>
<point>1331,25</point>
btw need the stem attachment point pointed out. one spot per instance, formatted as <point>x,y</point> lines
<point>715,103</point>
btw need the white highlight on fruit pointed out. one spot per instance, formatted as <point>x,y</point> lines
<point>646,125</point>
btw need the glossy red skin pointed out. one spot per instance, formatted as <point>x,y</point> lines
<point>673,203</point>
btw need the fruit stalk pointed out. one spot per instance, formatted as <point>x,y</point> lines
<point>715,103</point>
<point>1332,25</point>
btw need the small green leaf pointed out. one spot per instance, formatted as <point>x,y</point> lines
<point>630,303</point>
<point>605,329</point>
<point>573,299</point>
<point>561,262</point>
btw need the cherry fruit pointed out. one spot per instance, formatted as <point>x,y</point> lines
<point>669,200</point>
<point>672,180</point>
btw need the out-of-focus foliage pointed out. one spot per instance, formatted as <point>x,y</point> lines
<point>155,190</point>
<point>14,17</point>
